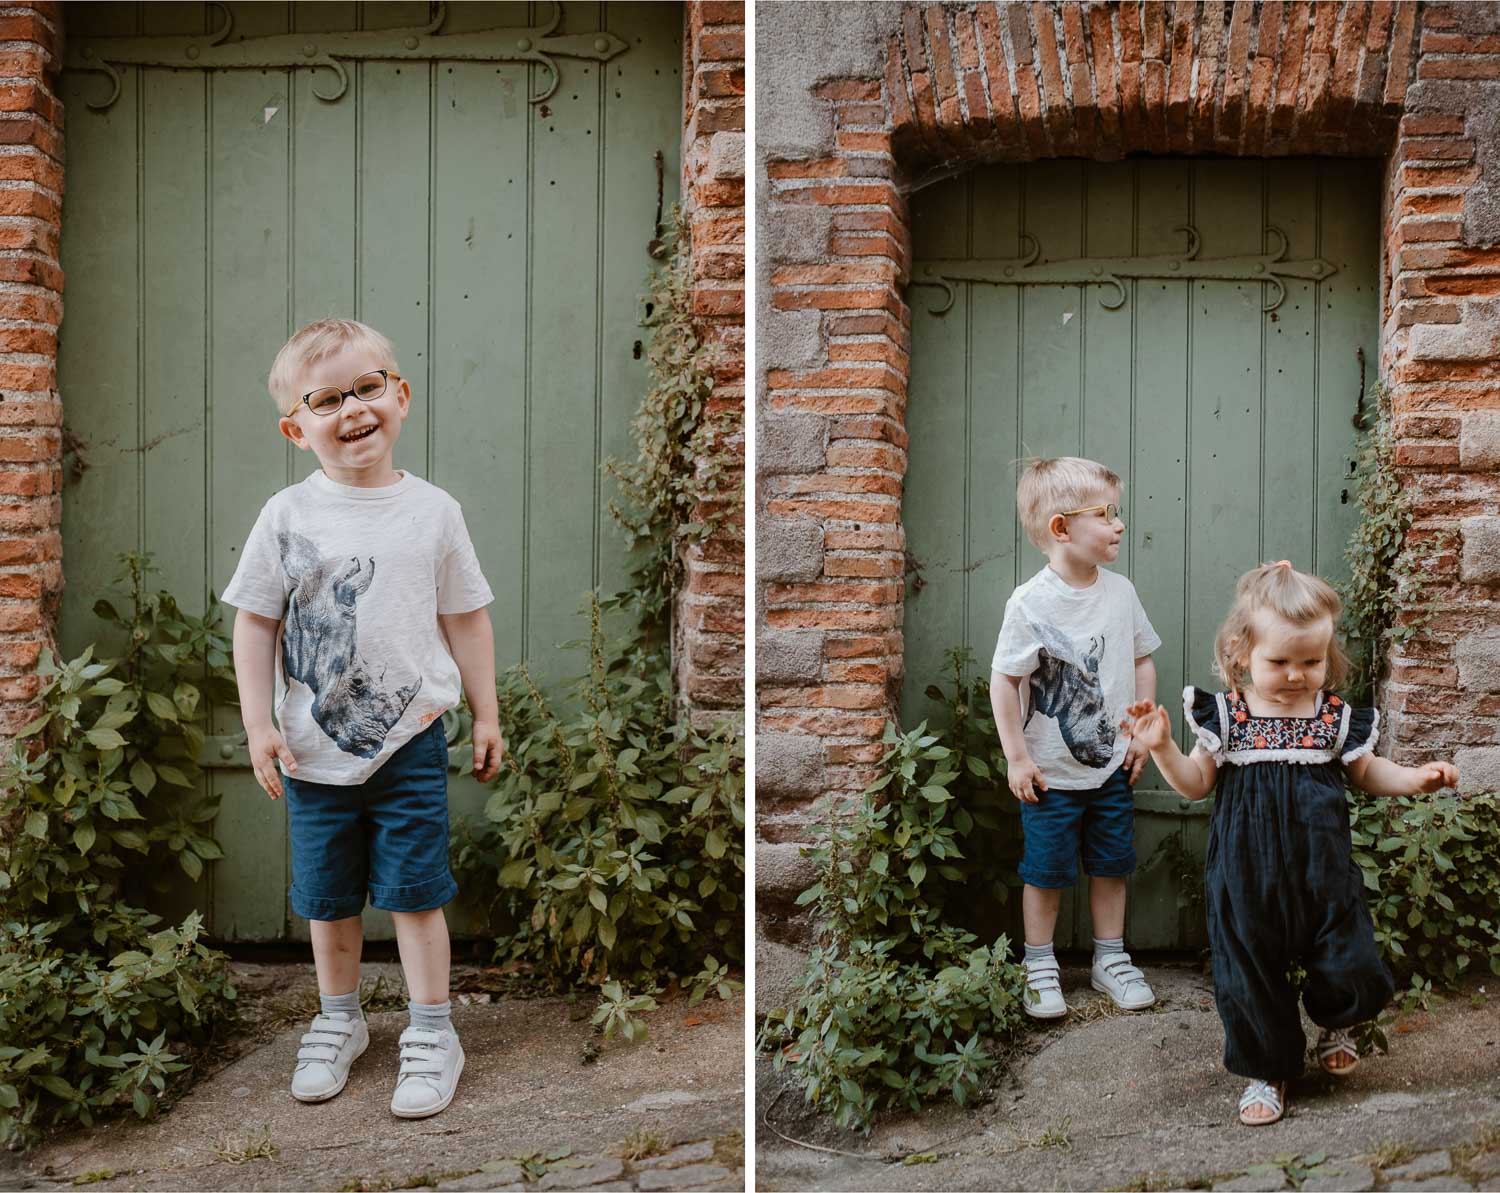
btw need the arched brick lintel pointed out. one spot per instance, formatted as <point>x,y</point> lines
<point>1019,82</point>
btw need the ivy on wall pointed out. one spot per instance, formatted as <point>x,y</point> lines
<point>677,491</point>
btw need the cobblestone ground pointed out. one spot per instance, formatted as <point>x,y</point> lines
<point>543,1103</point>
<point>1109,1100</point>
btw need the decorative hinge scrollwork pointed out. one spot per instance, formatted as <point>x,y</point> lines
<point>1109,271</point>
<point>330,51</point>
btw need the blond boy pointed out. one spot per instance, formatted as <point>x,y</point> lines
<point>1074,651</point>
<point>360,593</point>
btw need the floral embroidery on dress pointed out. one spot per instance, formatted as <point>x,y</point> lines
<point>1317,732</point>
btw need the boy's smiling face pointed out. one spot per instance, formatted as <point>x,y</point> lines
<point>355,444</point>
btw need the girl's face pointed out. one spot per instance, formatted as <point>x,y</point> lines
<point>1288,662</point>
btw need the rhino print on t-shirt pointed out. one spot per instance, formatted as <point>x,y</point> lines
<point>1066,687</point>
<point>320,648</point>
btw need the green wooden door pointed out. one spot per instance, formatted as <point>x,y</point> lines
<point>500,244</point>
<point>1230,427</point>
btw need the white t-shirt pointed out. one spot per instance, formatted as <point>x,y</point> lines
<point>1077,647</point>
<point>357,578</point>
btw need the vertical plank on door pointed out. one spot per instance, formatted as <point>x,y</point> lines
<point>1158,500</point>
<point>994,560</point>
<point>1224,475</point>
<point>479,327</point>
<point>1349,223</point>
<point>173,191</point>
<point>995,555</point>
<point>641,92</point>
<point>562,451</point>
<point>1052,323</point>
<point>938,389</point>
<point>1288,443</point>
<point>324,184</point>
<point>101,512</point>
<point>247,462</point>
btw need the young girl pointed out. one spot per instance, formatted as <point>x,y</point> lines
<point>1281,884</point>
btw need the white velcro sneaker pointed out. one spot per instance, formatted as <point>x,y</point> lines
<point>430,1064</point>
<point>1123,982</point>
<point>329,1047</point>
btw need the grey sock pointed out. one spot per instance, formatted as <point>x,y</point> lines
<point>434,1016</point>
<point>347,1004</point>
<point>1117,945</point>
<point>1035,952</point>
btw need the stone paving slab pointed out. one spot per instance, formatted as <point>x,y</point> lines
<point>1144,1102</point>
<point>526,1091</point>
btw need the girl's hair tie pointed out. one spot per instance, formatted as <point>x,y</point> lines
<point>1283,563</point>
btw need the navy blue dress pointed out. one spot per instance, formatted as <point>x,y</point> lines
<point>1281,883</point>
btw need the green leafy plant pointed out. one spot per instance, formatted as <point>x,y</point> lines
<point>712,978</point>
<point>97,796</point>
<point>1431,866</point>
<point>619,1010</point>
<point>1429,863</point>
<point>114,735</point>
<point>684,484</point>
<point>897,999</point>
<point>615,840</point>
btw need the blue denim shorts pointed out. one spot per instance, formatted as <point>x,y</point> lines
<point>1100,822</point>
<point>387,836</point>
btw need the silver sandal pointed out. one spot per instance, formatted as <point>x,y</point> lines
<point>1333,1042</point>
<point>1262,1093</point>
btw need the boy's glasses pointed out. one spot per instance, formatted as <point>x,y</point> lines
<point>1110,511</point>
<point>330,399</point>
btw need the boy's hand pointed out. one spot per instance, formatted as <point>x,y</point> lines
<point>489,749</point>
<point>1148,726</point>
<point>1137,754</point>
<point>266,746</point>
<point>1024,777</point>
<point>1436,775</point>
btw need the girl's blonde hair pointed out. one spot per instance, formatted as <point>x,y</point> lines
<point>318,341</point>
<point>1297,598</point>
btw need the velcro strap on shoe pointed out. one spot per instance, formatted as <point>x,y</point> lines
<point>1043,974</point>
<point>325,1038</point>
<point>422,1051</point>
<point>315,1049</point>
<point>1120,968</point>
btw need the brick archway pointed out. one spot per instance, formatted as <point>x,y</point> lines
<point>924,90</point>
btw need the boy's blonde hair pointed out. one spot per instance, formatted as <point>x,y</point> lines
<point>1297,598</point>
<point>1048,487</point>
<point>318,341</point>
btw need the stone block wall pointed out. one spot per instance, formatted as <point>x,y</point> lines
<point>863,103</point>
<point>1440,357</point>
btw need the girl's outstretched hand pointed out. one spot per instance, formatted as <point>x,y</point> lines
<point>1437,775</point>
<point>1148,724</point>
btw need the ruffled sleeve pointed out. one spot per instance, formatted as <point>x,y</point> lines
<point>1205,714</point>
<point>1361,734</point>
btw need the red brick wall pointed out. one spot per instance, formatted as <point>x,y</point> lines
<point>945,85</point>
<point>31,187</point>
<point>710,639</point>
